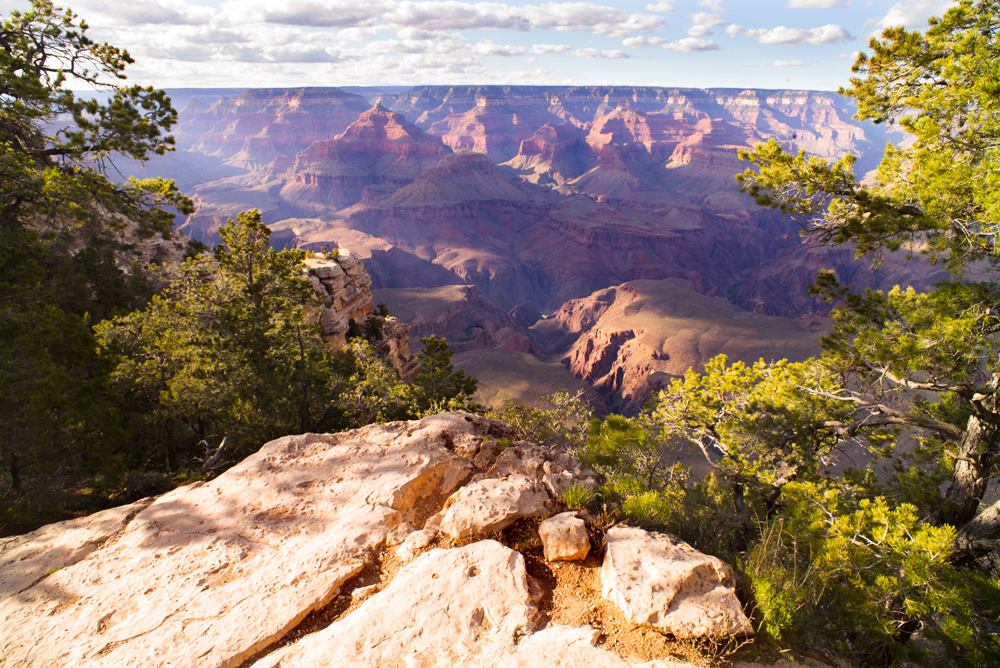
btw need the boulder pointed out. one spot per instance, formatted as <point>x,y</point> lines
<point>660,580</point>
<point>523,458</point>
<point>565,538</point>
<point>221,573</point>
<point>492,505</point>
<point>436,612</point>
<point>211,573</point>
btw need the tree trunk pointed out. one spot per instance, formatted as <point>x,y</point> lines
<point>976,453</point>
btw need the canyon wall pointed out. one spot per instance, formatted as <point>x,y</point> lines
<point>536,195</point>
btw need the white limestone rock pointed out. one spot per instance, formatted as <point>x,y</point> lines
<point>211,573</point>
<point>434,614</point>
<point>415,542</point>
<point>523,458</point>
<point>659,580</point>
<point>565,538</point>
<point>24,560</point>
<point>492,505</point>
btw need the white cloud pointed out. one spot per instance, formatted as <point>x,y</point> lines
<point>443,15</point>
<point>614,54</point>
<point>585,53</point>
<point>145,12</point>
<point>703,22</point>
<point>782,63</point>
<point>641,42</point>
<point>817,4</point>
<point>828,34</point>
<point>542,49</point>
<point>850,56</point>
<point>660,7</point>
<point>691,45</point>
<point>912,13</point>
<point>488,48</point>
<point>416,34</point>
<point>311,13</point>
<point>453,15</point>
<point>360,34</point>
<point>597,19</point>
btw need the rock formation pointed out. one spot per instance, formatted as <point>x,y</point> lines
<point>380,150</point>
<point>344,285</point>
<point>630,340</point>
<point>556,192</point>
<point>662,581</point>
<point>565,538</point>
<point>496,125</point>
<point>263,124</point>
<point>227,572</point>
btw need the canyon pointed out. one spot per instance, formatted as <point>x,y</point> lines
<point>520,201</point>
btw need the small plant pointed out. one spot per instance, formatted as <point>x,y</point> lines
<point>578,497</point>
<point>504,443</point>
<point>778,585</point>
<point>53,570</point>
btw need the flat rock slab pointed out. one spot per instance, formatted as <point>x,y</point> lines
<point>565,538</point>
<point>438,610</point>
<point>467,607</point>
<point>662,581</point>
<point>492,505</point>
<point>211,573</point>
<point>25,560</point>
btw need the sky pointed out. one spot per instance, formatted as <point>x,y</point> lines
<point>800,44</point>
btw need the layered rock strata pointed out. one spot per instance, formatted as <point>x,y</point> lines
<point>631,340</point>
<point>263,124</point>
<point>379,150</point>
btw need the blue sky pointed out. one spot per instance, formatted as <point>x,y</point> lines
<point>803,44</point>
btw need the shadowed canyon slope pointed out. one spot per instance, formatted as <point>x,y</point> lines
<point>533,195</point>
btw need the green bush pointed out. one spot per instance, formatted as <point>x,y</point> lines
<point>578,497</point>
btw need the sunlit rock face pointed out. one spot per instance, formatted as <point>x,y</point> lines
<point>355,527</point>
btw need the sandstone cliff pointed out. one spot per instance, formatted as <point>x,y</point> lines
<point>344,284</point>
<point>658,163</point>
<point>631,340</point>
<point>595,187</point>
<point>380,148</point>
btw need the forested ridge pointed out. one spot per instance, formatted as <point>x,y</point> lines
<point>126,372</point>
